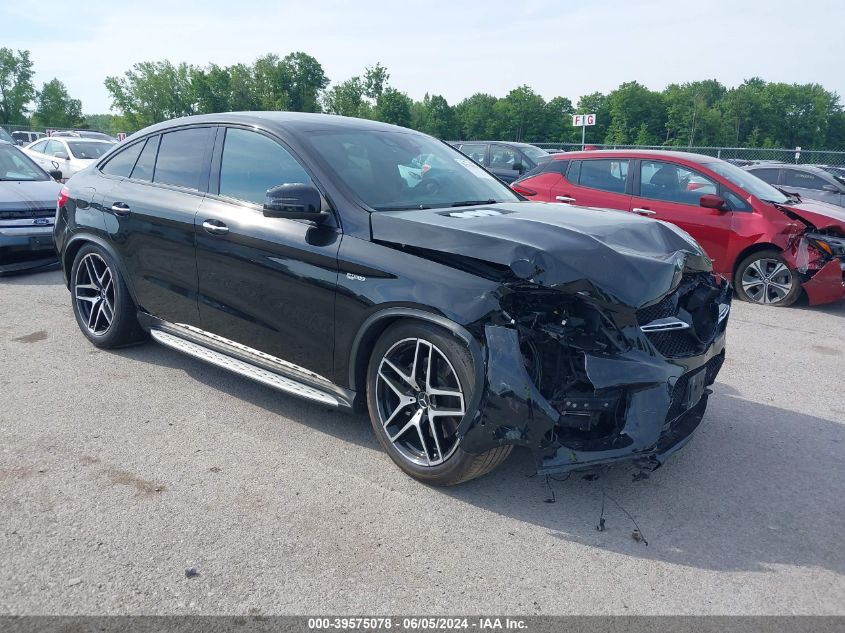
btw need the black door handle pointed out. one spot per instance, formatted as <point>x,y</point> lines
<point>215,227</point>
<point>120,208</point>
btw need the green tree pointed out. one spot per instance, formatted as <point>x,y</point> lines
<point>692,113</point>
<point>558,122</point>
<point>393,107</point>
<point>346,99</point>
<point>522,113</point>
<point>433,115</point>
<point>108,123</point>
<point>270,83</point>
<point>475,116</point>
<point>16,87</point>
<point>212,89</point>
<point>304,79</point>
<point>631,105</point>
<point>375,81</point>
<point>55,108</point>
<point>151,92</point>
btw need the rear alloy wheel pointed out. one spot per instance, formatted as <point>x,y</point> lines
<point>93,291</point>
<point>765,278</point>
<point>419,385</point>
<point>101,303</point>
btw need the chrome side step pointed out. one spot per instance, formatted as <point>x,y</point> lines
<point>243,368</point>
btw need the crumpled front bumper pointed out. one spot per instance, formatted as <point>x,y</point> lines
<point>657,420</point>
<point>827,285</point>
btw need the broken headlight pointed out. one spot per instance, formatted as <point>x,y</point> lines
<point>827,243</point>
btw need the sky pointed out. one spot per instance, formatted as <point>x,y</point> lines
<point>558,47</point>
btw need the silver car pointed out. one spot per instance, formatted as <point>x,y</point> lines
<point>28,197</point>
<point>808,181</point>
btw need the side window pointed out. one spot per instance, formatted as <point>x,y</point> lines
<point>253,163</point>
<point>604,174</point>
<point>503,157</point>
<point>39,147</point>
<point>121,164</point>
<point>768,175</point>
<point>737,203</point>
<point>803,179</point>
<point>54,147</point>
<point>673,183</point>
<point>181,157</point>
<point>475,151</point>
<point>145,165</point>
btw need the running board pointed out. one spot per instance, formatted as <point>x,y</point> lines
<point>243,368</point>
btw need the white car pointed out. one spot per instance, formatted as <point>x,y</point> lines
<point>66,154</point>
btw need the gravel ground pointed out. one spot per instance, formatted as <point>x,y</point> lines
<point>120,470</point>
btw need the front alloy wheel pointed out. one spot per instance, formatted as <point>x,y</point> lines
<point>420,386</point>
<point>420,401</point>
<point>766,279</point>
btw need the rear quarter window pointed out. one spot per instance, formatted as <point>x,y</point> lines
<point>181,157</point>
<point>121,164</point>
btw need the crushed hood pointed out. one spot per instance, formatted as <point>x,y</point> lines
<point>631,259</point>
<point>820,214</point>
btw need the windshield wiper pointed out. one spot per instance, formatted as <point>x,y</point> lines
<point>407,207</point>
<point>789,194</point>
<point>472,203</point>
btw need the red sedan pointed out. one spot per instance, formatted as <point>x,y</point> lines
<point>769,242</point>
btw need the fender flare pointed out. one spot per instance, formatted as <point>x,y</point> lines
<point>460,332</point>
<point>108,248</point>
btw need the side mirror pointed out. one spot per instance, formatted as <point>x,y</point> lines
<point>712,201</point>
<point>56,175</point>
<point>519,167</point>
<point>830,188</point>
<point>61,155</point>
<point>296,201</point>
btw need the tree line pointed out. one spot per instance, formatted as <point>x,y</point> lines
<point>700,113</point>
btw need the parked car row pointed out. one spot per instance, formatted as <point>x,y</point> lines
<point>508,161</point>
<point>364,266</point>
<point>68,154</point>
<point>770,244</point>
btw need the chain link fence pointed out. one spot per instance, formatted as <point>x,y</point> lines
<point>740,154</point>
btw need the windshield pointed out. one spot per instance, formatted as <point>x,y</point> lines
<point>534,153</point>
<point>389,171</point>
<point>837,172</point>
<point>748,182</point>
<point>87,149</point>
<point>15,165</point>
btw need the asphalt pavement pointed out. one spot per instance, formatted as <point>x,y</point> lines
<point>120,470</point>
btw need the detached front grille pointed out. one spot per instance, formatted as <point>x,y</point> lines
<point>666,307</point>
<point>683,341</point>
<point>674,344</point>
<point>27,214</point>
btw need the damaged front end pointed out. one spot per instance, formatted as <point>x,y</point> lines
<point>584,380</point>
<point>819,258</point>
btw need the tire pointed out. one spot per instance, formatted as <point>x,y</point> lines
<point>429,450</point>
<point>103,308</point>
<point>765,278</point>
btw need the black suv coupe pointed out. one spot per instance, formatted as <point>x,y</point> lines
<point>362,265</point>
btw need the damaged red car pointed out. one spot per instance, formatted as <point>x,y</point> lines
<point>773,245</point>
